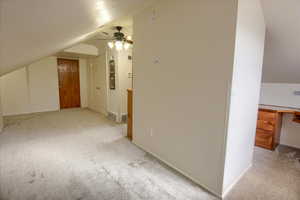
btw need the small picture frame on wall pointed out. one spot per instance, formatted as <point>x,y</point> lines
<point>112,75</point>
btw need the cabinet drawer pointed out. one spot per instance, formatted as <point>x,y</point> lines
<point>264,139</point>
<point>266,116</point>
<point>266,125</point>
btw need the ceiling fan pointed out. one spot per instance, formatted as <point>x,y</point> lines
<point>119,40</point>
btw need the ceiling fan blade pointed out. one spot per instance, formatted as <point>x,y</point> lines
<point>105,33</point>
<point>129,41</point>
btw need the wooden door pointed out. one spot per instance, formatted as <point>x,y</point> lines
<point>69,85</point>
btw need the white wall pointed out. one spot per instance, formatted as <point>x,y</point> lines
<point>113,96</point>
<point>281,60</point>
<point>181,82</point>
<point>101,98</point>
<point>97,92</point>
<point>35,88</point>
<point>249,51</point>
<point>117,99</point>
<point>15,93</point>
<point>290,132</point>
<point>125,80</point>
<point>83,76</point>
<point>43,86</point>
<point>1,114</point>
<point>280,94</point>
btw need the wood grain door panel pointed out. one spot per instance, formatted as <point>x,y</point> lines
<point>69,83</point>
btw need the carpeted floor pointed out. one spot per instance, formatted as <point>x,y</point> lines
<point>79,155</point>
<point>273,176</point>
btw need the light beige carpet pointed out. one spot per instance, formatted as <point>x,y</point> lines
<point>78,154</point>
<point>273,176</point>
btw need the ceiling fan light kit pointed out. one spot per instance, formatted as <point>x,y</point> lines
<point>120,41</point>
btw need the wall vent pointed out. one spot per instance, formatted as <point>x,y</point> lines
<point>112,116</point>
<point>124,118</point>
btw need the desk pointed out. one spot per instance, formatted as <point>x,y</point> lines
<point>269,122</point>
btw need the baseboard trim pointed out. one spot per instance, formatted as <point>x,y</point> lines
<point>288,145</point>
<point>31,112</point>
<point>203,186</point>
<point>235,182</point>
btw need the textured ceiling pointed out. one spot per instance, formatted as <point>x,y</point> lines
<point>282,58</point>
<point>32,29</point>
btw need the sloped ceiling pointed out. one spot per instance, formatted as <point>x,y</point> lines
<point>100,40</point>
<point>32,29</point>
<point>282,50</point>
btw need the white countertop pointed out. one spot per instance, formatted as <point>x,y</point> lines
<point>278,108</point>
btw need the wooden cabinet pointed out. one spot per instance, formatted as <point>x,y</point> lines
<point>268,129</point>
<point>130,112</point>
<point>297,117</point>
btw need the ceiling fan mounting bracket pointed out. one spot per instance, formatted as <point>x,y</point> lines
<point>119,28</point>
<point>119,35</point>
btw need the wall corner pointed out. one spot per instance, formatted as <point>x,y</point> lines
<point>1,115</point>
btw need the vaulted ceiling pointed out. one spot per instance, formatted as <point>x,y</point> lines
<point>32,29</point>
<point>282,49</point>
<point>100,39</point>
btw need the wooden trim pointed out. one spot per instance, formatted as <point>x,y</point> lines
<point>278,111</point>
<point>268,110</point>
<point>130,113</point>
